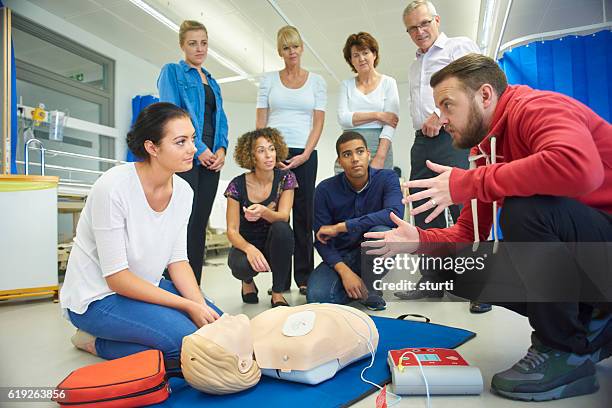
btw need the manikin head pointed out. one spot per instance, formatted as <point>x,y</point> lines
<point>218,358</point>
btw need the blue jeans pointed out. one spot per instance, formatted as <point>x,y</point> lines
<point>325,285</point>
<point>124,326</point>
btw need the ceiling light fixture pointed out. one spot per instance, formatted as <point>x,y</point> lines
<point>487,23</point>
<point>216,55</point>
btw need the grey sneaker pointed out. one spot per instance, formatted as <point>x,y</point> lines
<point>418,294</point>
<point>546,374</point>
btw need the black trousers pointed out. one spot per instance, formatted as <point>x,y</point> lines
<point>543,227</point>
<point>439,150</point>
<point>303,215</point>
<point>204,184</point>
<point>277,249</point>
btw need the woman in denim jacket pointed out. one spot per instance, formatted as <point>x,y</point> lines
<point>188,85</point>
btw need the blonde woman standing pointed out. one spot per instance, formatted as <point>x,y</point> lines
<point>188,85</point>
<point>293,101</point>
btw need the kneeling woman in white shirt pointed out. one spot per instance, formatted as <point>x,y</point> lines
<point>369,102</point>
<point>133,226</point>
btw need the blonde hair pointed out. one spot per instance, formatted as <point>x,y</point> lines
<point>210,368</point>
<point>286,37</point>
<point>190,25</point>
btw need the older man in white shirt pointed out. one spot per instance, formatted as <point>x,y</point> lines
<point>434,51</point>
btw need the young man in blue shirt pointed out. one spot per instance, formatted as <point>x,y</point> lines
<point>358,200</point>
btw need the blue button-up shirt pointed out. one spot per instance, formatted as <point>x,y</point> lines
<point>336,201</point>
<point>181,85</point>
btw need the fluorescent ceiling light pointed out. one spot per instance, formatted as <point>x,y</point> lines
<point>231,79</point>
<point>156,14</point>
<point>174,27</point>
<point>487,23</point>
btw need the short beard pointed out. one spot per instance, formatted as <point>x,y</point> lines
<point>474,132</point>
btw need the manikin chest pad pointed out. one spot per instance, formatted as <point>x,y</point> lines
<point>308,336</point>
<point>218,358</point>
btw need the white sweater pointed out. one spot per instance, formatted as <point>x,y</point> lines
<point>118,230</point>
<point>291,110</point>
<point>384,98</point>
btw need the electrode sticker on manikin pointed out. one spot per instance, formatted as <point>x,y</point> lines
<point>299,324</point>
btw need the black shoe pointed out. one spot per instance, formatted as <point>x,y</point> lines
<point>279,303</point>
<point>250,298</point>
<point>477,307</point>
<point>419,294</point>
<point>284,291</point>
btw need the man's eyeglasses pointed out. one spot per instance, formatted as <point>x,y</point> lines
<point>424,24</point>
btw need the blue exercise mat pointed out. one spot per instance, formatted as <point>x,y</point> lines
<point>342,390</point>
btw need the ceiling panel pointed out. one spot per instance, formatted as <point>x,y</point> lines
<point>529,17</point>
<point>67,8</point>
<point>245,31</point>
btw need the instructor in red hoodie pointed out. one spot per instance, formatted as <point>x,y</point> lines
<point>546,160</point>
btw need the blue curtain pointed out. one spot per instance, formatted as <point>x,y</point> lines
<point>139,102</point>
<point>577,66</point>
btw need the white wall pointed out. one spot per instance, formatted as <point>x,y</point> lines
<point>133,76</point>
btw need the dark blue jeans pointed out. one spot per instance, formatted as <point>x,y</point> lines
<point>124,326</point>
<point>325,285</point>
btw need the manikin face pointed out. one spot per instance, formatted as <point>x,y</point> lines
<point>354,158</point>
<point>264,154</point>
<point>422,27</point>
<point>232,333</point>
<point>176,148</point>
<point>362,59</point>
<point>461,113</point>
<point>195,47</point>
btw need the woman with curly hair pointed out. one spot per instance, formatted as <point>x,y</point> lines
<point>258,207</point>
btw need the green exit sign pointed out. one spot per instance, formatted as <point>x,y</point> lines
<point>78,77</point>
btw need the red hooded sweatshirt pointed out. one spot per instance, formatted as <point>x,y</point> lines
<point>547,144</point>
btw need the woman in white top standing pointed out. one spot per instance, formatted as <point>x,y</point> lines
<point>133,226</point>
<point>293,101</point>
<point>369,102</point>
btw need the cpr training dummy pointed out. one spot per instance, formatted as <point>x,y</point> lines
<point>307,344</point>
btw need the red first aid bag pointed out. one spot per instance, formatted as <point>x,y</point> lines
<point>132,381</point>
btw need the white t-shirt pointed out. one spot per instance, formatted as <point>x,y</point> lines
<point>291,110</point>
<point>384,98</point>
<point>118,230</point>
<point>443,51</point>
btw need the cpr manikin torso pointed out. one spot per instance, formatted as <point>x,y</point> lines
<point>310,343</point>
<point>307,343</point>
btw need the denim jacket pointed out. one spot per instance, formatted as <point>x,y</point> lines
<point>181,85</point>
